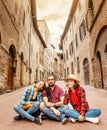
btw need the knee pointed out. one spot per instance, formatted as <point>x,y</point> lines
<point>16,107</point>
<point>98,112</point>
<point>66,107</point>
<point>44,109</point>
<point>66,112</point>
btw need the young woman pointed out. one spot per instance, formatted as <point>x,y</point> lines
<point>30,103</point>
<point>75,94</point>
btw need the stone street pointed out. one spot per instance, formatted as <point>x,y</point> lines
<point>97,98</point>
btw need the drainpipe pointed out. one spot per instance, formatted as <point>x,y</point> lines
<point>29,56</point>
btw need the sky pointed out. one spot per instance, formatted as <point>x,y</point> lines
<point>55,12</point>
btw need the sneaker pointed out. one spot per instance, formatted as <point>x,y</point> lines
<point>18,118</point>
<point>44,117</point>
<point>65,120</point>
<point>93,119</point>
<point>72,120</point>
<point>38,121</point>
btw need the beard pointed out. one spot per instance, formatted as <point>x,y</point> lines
<point>51,84</point>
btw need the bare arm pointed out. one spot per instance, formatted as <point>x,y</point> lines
<point>48,104</point>
<point>60,103</point>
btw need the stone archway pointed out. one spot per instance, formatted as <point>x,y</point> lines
<point>86,71</point>
<point>100,62</point>
<point>11,68</point>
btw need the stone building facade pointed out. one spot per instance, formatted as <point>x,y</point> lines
<point>21,44</point>
<point>84,42</point>
<point>75,42</point>
<point>97,26</point>
<point>48,56</point>
<point>52,58</point>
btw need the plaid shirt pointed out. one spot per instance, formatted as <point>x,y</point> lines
<point>77,99</point>
<point>28,94</point>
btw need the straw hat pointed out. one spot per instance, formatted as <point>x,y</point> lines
<point>72,76</point>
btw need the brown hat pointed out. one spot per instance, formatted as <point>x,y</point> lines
<point>72,76</point>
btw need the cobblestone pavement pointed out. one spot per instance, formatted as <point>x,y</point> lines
<point>97,98</point>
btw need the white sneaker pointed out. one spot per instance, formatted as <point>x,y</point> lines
<point>72,120</point>
<point>92,119</point>
<point>65,120</point>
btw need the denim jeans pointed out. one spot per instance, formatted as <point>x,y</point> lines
<point>47,111</point>
<point>90,113</point>
<point>27,114</point>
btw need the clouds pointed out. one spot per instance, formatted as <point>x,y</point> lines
<point>55,12</point>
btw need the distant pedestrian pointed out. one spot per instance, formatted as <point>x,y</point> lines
<point>30,103</point>
<point>53,100</point>
<point>75,94</point>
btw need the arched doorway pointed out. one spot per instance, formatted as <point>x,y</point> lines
<point>99,69</point>
<point>21,69</point>
<point>100,62</point>
<point>86,71</point>
<point>11,70</point>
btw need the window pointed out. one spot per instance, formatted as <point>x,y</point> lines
<point>71,48</point>
<point>78,65</point>
<point>67,54</point>
<point>82,30</point>
<point>36,55</point>
<point>72,68</point>
<point>90,6</point>
<point>24,18</point>
<point>29,37</point>
<point>26,65</point>
<point>86,71</point>
<point>28,9</point>
<point>67,71</point>
<point>64,57</point>
<point>76,40</point>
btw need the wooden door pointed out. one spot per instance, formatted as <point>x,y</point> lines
<point>10,75</point>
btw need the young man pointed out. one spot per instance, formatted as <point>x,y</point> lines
<point>53,101</point>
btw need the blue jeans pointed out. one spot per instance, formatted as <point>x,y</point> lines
<point>90,113</point>
<point>52,115</point>
<point>27,114</point>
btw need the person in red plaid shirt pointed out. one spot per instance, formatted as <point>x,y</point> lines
<point>75,94</point>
